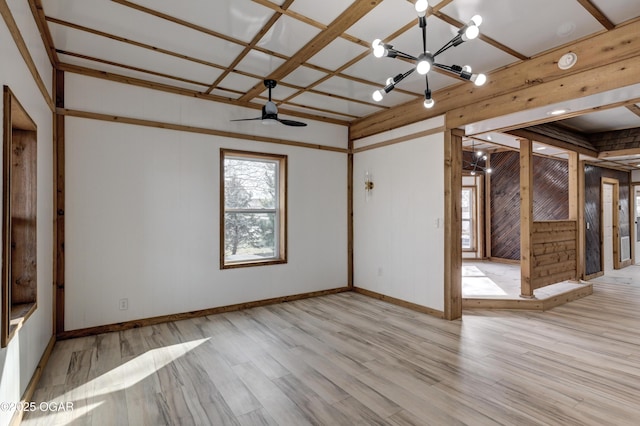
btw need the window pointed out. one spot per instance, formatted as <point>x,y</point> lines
<point>253,209</point>
<point>468,218</point>
<point>19,197</point>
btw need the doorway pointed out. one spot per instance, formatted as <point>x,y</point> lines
<point>609,253</point>
<point>636,222</point>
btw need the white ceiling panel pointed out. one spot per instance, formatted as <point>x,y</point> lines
<point>235,81</point>
<point>141,27</point>
<point>384,20</point>
<point>618,11</point>
<point>279,92</point>
<point>225,94</point>
<point>329,11</point>
<point>240,19</point>
<point>353,89</point>
<point>72,60</point>
<point>259,63</point>
<point>287,36</point>
<point>316,112</point>
<point>333,104</point>
<point>529,27</point>
<point>610,119</point>
<point>303,77</point>
<point>336,54</point>
<point>79,42</point>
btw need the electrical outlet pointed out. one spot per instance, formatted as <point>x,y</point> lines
<point>123,304</point>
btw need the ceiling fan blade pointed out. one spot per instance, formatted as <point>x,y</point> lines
<point>247,119</point>
<point>292,123</point>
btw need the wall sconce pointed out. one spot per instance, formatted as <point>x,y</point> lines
<point>368,182</point>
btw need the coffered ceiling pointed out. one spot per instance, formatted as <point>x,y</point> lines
<point>319,51</point>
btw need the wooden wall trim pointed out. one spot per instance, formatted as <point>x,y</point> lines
<point>401,139</point>
<point>92,331</point>
<point>452,225</point>
<point>24,52</point>
<point>409,305</point>
<point>193,129</point>
<point>27,396</point>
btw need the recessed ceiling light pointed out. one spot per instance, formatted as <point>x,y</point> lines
<point>567,61</point>
<point>566,29</point>
<point>540,148</point>
<point>489,137</point>
<point>559,111</point>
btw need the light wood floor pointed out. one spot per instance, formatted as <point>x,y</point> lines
<point>346,359</point>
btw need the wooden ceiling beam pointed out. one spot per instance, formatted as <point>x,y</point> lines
<point>506,49</point>
<point>547,140</point>
<point>350,16</point>
<point>38,15</point>
<point>270,23</point>
<point>597,13</point>
<point>605,52</point>
<point>634,109</point>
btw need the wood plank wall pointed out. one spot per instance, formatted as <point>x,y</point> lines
<point>592,181</point>
<point>554,252</point>
<point>550,198</point>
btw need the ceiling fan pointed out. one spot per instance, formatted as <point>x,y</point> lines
<point>270,110</point>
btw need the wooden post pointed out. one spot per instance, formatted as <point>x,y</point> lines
<point>58,206</point>
<point>526,217</point>
<point>452,224</point>
<point>487,209</point>
<point>574,203</point>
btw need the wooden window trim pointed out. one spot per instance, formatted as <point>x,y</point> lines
<point>474,220</point>
<point>281,210</point>
<point>15,119</point>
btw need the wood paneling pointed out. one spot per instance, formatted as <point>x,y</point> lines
<point>452,224</point>
<point>505,205</point>
<point>593,199</point>
<point>550,198</point>
<point>550,189</point>
<point>554,252</point>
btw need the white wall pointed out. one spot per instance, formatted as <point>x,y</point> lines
<point>142,208</point>
<point>20,358</point>
<point>399,229</point>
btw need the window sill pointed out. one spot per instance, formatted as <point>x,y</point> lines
<point>18,315</point>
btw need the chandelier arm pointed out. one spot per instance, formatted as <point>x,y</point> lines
<point>404,55</point>
<point>424,35</point>
<point>446,47</point>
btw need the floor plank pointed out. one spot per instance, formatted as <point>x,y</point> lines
<point>346,359</point>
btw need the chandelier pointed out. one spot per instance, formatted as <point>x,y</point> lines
<point>474,165</point>
<point>425,61</point>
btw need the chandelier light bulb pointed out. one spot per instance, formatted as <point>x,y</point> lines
<point>489,170</point>
<point>429,103</point>
<point>467,68</point>
<point>378,95</point>
<point>473,172</point>
<point>479,79</point>
<point>470,33</point>
<point>421,7</point>
<point>477,20</point>
<point>424,63</point>
<point>390,81</point>
<point>377,42</point>
<point>479,153</point>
